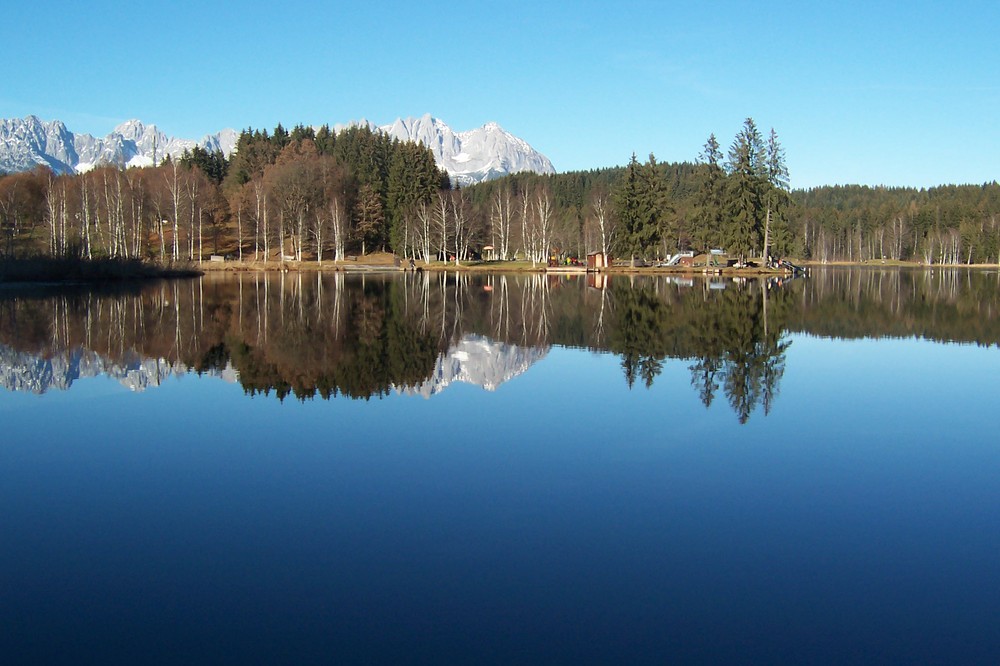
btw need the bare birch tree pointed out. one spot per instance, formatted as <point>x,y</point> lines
<point>501,217</point>
<point>441,221</point>
<point>602,221</point>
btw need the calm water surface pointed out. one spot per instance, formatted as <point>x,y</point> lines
<point>431,468</point>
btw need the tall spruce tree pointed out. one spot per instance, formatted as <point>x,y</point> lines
<point>777,196</point>
<point>213,164</point>
<point>710,192</point>
<point>655,205</point>
<point>640,202</point>
<point>325,140</point>
<point>280,137</point>
<point>627,203</point>
<point>747,178</point>
<point>412,180</point>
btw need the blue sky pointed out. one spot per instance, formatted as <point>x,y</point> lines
<point>859,92</point>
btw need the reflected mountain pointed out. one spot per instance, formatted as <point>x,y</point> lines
<point>313,335</point>
<point>479,361</point>
<point>22,371</point>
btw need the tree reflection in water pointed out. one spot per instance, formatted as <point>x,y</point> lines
<point>327,335</point>
<point>732,335</point>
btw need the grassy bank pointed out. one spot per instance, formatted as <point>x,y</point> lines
<point>46,269</point>
<point>376,261</point>
<point>388,262</point>
<point>383,261</point>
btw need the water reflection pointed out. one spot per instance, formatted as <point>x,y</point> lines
<point>361,336</point>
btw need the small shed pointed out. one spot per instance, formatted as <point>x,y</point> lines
<point>597,261</point>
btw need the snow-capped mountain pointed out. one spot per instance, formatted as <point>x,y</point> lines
<point>135,144</point>
<point>28,142</point>
<point>24,144</point>
<point>469,157</point>
<point>474,156</point>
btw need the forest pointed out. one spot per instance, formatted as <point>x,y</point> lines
<point>318,195</point>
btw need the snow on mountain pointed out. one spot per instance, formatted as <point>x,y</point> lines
<point>469,157</point>
<point>473,156</point>
<point>223,141</point>
<point>29,142</point>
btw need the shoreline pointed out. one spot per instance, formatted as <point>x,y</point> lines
<point>379,264</point>
<point>58,272</point>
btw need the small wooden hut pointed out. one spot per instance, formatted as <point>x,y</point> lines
<point>597,261</point>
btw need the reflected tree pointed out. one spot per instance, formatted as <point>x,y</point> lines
<point>641,322</point>
<point>306,335</point>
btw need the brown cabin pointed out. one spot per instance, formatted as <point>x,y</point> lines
<point>597,261</point>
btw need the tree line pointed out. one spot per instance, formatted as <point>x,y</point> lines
<point>320,194</point>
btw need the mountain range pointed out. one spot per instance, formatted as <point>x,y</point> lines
<point>33,373</point>
<point>469,157</point>
<point>28,142</point>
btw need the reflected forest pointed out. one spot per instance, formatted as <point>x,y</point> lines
<point>362,336</point>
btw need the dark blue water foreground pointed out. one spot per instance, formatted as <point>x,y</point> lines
<point>846,511</point>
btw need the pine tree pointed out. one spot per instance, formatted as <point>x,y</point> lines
<point>325,140</point>
<point>280,137</point>
<point>710,191</point>
<point>640,203</point>
<point>213,164</point>
<point>627,200</point>
<point>777,192</point>
<point>301,132</point>
<point>655,205</point>
<point>747,177</point>
<point>412,179</point>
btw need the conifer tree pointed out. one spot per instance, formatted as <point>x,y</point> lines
<point>412,180</point>
<point>300,132</point>
<point>747,177</point>
<point>777,192</point>
<point>710,191</point>
<point>655,205</point>
<point>325,140</point>
<point>627,201</point>
<point>640,204</point>
<point>280,137</point>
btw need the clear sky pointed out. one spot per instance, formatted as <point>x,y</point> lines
<point>870,92</point>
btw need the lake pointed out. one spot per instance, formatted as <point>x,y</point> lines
<point>432,468</point>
